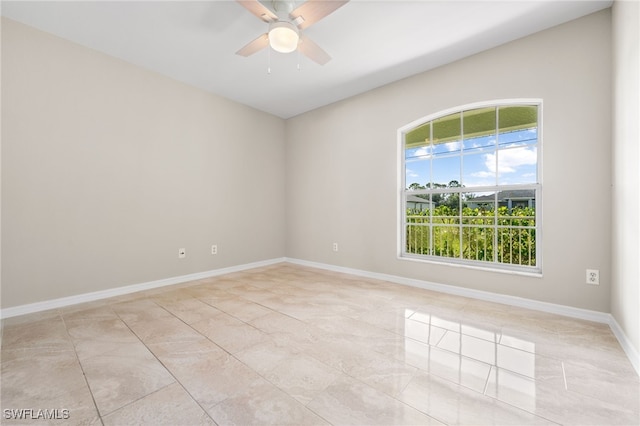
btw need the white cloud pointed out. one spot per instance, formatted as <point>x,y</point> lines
<point>481,182</point>
<point>412,174</point>
<point>510,159</point>
<point>420,152</point>
<point>484,174</point>
<point>476,144</point>
<point>452,146</point>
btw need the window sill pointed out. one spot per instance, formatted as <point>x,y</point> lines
<point>535,273</point>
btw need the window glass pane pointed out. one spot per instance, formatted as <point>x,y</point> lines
<point>418,217</point>
<point>418,137</point>
<point>417,174</point>
<point>517,246</point>
<point>418,239</point>
<point>447,134</point>
<point>447,148</point>
<point>479,128</point>
<point>445,170</point>
<point>446,241</point>
<point>446,208</point>
<point>481,144</point>
<point>479,169</point>
<point>511,118</point>
<point>519,138</point>
<point>478,242</point>
<point>478,208</point>
<point>517,165</point>
<point>518,125</point>
<point>418,206</point>
<point>517,208</point>
<point>417,153</point>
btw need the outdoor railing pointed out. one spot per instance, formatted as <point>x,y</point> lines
<point>504,239</point>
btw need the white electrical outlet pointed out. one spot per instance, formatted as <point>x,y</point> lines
<point>214,249</point>
<point>182,253</point>
<point>335,246</point>
<point>593,277</point>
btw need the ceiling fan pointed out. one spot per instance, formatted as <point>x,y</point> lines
<point>285,25</point>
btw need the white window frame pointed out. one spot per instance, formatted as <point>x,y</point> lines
<point>494,266</point>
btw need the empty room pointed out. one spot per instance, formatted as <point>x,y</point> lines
<point>320,212</point>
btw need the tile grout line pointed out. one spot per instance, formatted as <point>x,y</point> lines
<point>345,373</point>
<point>139,399</point>
<point>239,360</point>
<point>318,360</point>
<point>163,366</point>
<point>84,375</point>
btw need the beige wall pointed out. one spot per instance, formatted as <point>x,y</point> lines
<point>342,164</point>
<point>625,292</point>
<point>108,169</point>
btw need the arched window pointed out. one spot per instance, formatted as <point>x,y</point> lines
<point>470,190</point>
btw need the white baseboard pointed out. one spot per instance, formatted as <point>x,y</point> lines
<point>119,291</point>
<point>467,292</point>
<point>568,311</point>
<point>632,352</point>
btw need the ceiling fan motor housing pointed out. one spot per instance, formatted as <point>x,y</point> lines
<point>282,7</point>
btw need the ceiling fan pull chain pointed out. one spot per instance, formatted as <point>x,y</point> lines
<point>269,60</point>
<point>298,51</point>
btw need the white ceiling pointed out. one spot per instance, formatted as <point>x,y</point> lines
<point>372,43</point>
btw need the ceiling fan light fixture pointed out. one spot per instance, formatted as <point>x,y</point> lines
<point>283,37</point>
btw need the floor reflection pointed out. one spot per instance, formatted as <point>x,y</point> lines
<point>487,361</point>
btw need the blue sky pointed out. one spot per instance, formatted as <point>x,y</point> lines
<point>513,163</point>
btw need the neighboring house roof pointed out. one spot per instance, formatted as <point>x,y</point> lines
<point>416,199</point>
<point>515,194</point>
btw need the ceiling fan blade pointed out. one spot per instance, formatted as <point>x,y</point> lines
<point>312,51</point>
<point>311,11</point>
<point>254,46</point>
<point>259,10</point>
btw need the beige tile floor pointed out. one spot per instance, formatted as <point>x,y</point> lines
<point>287,344</point>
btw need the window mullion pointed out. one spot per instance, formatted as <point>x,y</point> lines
<point>431,187</point>
<point>460,239</point>
<point>495,200</point>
